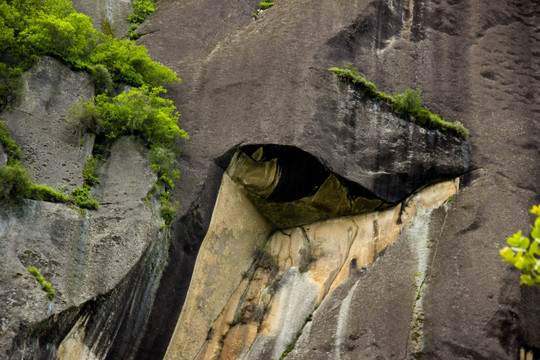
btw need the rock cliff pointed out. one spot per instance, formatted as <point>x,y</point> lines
<point>313,220</point>
<point>85,255</point>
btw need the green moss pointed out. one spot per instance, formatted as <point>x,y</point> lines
<point>11,149</point>
<point>46,193</point>
<point>408,102</point>
<point>45,285</point>
<point>265,5</point>
<point>89,172</point>
<point>82,198</point>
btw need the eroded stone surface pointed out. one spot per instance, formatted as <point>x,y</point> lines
<point>236,230</point>
<point>108,16</point>
<point>474,63</point>
<point>54,152</point>
<point>83,254</point>
<point>262,313</point>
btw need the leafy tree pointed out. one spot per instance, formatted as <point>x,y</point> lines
<point>524,253</point>
<point>31,28</point>
<point>142,112</point>
<point>71,38</point>
<point>130,63</point>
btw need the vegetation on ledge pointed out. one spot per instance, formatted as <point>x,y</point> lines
<point>265,5</point>
<point>45,285</point>
<point>32,28</point>
<point>141,112</point>
<point>408,102</point>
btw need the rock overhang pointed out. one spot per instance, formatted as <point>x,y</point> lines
<point>291,187</point>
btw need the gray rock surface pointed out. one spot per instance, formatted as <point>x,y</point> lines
<point>3,155</point>
<point>85,255</point>
<point>265,82</point>
<point>109,15</point>
<point>54,152</point>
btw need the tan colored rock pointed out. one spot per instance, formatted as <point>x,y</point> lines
<point>260,313</point>
<point>73,346</point>
<point>227,251</point>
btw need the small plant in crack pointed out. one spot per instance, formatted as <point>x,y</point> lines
<point>45,285</point>
<point>306,259</point>
<point>265,260</point>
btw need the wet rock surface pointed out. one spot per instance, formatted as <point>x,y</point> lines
<point>108,16</point>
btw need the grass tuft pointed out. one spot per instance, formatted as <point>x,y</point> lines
<point>409,102</point>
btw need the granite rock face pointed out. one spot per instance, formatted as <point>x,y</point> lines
<point>54,151</point>
<point>96,261</point>
<point>265,82</point>
<point>254,285</point>
<point>109,16</point>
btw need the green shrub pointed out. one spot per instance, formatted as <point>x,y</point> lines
<point>12,150</point>
<point>30,28</point>
<point>10,84</point>
<point>15,183</point>
<point>408,102</point>
<point>139,112</point>
<point>524,254</point>
<point>265,5</point>
<point>129,63</point>
<point>167,208</point>
<point>82,198</point>
<point>90,170</point>
<point>131,34</point>
<point>101,78</point>
<point>71,38</point>
<point>141,10</point>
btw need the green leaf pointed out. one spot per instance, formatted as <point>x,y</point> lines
<point>527,280</point>
<point>535,233</point>
<point>508,255</point>
<point>518,240</point>
<point>534,249</point>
